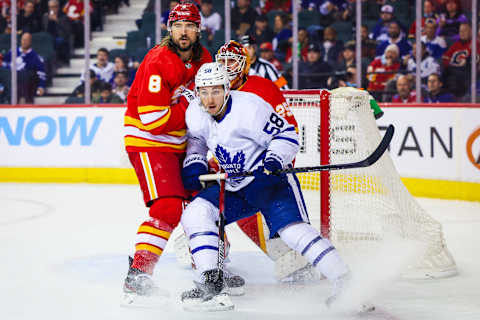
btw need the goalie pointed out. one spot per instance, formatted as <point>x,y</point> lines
<point>244,134</point>
<point>289,265</point>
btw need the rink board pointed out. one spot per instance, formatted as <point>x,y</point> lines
<point>435,149</point>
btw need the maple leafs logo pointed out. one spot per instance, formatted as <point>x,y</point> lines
<point>235,165</point>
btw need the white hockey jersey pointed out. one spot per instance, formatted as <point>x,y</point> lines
<point>249,132</point>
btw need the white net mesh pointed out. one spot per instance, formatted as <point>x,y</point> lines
<point>369,204</point>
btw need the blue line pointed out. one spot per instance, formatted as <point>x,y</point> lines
<point>204,233</point>
<point>204,248</point>
<point>322,255</point>
<point>310,244</point>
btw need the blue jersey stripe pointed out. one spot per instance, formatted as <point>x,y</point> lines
<point>288,139</point>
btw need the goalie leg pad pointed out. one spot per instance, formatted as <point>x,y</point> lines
<point>255,228</point>
<point>320,252</point>
<point>198,221</point>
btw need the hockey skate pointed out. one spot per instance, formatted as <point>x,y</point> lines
<point>234,284</point>
<point>209,295</point>
<point>140,290</point>
<point>338,293</point>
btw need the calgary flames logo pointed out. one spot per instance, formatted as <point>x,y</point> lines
<point>473,156</point>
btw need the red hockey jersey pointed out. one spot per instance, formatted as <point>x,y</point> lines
<point>269,92</point>
<point>458,54</point>
<point>152,122</point>
<point>75,10</point>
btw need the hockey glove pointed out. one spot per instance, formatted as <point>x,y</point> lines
<point>190,176</point>
<point>185,99</point>
<point>264,177</point>
<point>271,165</point>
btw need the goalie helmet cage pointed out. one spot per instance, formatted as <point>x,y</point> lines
<point>359,209</point>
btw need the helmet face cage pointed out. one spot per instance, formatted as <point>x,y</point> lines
<point>184,12</point>
<point>234,51</point>
<point>213,74</point>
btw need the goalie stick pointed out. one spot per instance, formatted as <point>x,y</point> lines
<point>370,160</point>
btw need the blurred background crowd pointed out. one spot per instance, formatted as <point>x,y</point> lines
<point>50,30</point>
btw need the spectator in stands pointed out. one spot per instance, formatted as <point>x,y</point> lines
<point>75,12</point>
<point>428,64</point>
<point>57,24</point>
<point>243,17</point>
<point>428,14</point>
<point>457,62</point>
<point>106,95</point>
<point>261,30</point>
<point>303,42</point>
<point>211,20</point>
<point>405,94</point>
<point>5,23</point>
<point>435,92</point>
<point>121,64</point>
<point>382,69</point>
<point>435,45</point>
<point>78,94</point>
<point>102,67</point>
<point>369,46</point>
<point>277,5</point>
<point>330,10</point>
<point>121,88</point>
<point>395,36</point>
<point>282,30</point>
<point>165,14</point>
<point>331,47</point>
<point>30,70</point>
<point>266,52</point>
<point>450,20</point>
<point>343,78</point>
<point>313,73</point>
<point>347,57</point>
<point>28,20</point>
<point>380,31</point>
<point>261,67</point>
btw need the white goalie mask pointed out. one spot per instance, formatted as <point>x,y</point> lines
<point>234,51</point>
<point>213,74</point>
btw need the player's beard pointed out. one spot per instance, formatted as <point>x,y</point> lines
<point>184,48</point>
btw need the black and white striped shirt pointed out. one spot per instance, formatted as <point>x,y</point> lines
<point>265,69</point>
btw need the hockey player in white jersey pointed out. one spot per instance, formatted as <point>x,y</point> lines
<point>245,134</point>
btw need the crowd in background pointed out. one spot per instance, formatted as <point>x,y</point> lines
<point>326,44</point>
<point>59,23</point>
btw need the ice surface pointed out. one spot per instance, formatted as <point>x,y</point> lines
<point>64,255</point>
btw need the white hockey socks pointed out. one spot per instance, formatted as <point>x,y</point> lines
<point>320,252</point>
<point>198,221</point>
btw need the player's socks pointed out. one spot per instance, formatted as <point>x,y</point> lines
<point>152,237</point>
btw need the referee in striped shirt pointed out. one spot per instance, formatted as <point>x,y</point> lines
<point>261,67</point>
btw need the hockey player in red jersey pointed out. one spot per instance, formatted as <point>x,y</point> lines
<point>155,139</point>
<point>288,264</point>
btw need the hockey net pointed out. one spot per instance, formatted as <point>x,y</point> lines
<point>359,208</point>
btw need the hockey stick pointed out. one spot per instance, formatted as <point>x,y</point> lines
<point>221,231</point>
<point>371,159</point>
